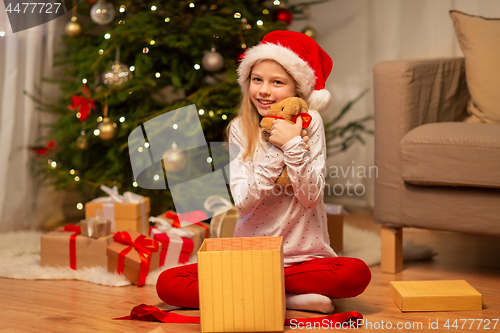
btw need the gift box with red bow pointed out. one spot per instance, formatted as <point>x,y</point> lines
<point>189,221</point>
<point>175,248</point>
<point>133,255</point>
<point>66,247</point>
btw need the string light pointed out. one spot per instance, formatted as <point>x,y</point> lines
<point>122,8</point>
<point>140,149</point>
<point>175,126</point>
<point>134,184</point>
<point>259,22</point>
<point>122,119</point>
<point>84,81</point>
<point>145,50</point>
<point>79,206</point>
<point>121,22</point>
<point>224,117</point>
<point>146,144</point>
<point>107,36</point>
<point>99,119</point>
<point>49,161</point>
<point>276,2</point>
<point>237,15</point>
<point>209,160</point>
<point>153,8</point>
<point>157,75</point>
<point>72,171</point>
<point>156,177</point>
<point>211,113</point>
<point>201,112</point>
<point>77,179</point>
<point>197,66</point>
<point>265,12</point>
<point>152,42</point>
<point>191,5</point>
<point>167,19</point>
<point>53,164</point>
<point>132,68</point>
<point>101,51</point>
<point>78,115</point>
<point>96,132</point>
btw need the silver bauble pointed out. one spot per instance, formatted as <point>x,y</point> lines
<point>118,75</point>
<point>174,159</point>
<point>212,61</point>
<point>74,27</point>
<point>102,12</point>
<point>107,129</point>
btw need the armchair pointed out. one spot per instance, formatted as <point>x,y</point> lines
<point>434,170</point>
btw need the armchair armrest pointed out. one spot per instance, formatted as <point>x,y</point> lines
<point>407,94</point>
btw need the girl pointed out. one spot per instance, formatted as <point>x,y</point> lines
<point>284,64</point>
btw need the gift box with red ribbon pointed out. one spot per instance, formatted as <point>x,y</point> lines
<point>133,255</point>
<point>189,221</point>
<point>175,249</point>
<point>66,247</point>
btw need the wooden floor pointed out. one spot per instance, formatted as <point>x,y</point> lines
<point>72,306</point>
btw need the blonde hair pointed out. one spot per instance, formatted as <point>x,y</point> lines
<point>250,117</point>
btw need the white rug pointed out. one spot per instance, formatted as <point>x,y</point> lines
<point>20,258</point>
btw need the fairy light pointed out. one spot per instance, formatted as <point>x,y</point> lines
<point>191,5</point>
<point>276,2</point>
<point>49,161</point>
<point>99,119</point>
<point>153,8</point>
<point>175,126</point>
<point>96,132</point>
<point>101,51</point>
<point>152,42</point>
<point>167,19</point>
<point>84,81</point>
<point>157,75</point>
<point>197,66</point>
<point>145,50</point>
<point>237,15</point>
<point>78,115</point>
<point>53,164</point>
<point>259,22</point>
<point>107,36</point>
<point>211,113</point>
<point>146,144</point>
<point>132,68</point>
<point>122,8</point>
<point>134,184</point>
<point>79,206</point>
<point>201,112</point>
<point>209,160</point>
<point>140,149</point>
<point>121,22</point>
<point>224,117</point>
<point>156,177</point>
<point>265,12</point>
<point>72,171</point>
<point>122,119</point>
<point>77,179</point>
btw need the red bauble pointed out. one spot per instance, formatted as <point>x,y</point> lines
<point>283,15</point>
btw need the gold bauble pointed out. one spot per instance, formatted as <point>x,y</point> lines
<point>174,159</point>
<point>107,129</point>
<point>74,27</point>
<point>81,142</point>
<point>310,31</point>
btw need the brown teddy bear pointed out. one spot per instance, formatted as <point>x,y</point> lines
<point>288,109</point>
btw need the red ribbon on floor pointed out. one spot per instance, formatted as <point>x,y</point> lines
<point>192,217</point>
<point>72,243</point>
<point>145,247</point>
<point>152,313</point>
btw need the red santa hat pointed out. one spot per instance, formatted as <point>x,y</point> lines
<point>301,57</point>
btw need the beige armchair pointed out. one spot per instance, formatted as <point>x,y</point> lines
<point>434,170</point>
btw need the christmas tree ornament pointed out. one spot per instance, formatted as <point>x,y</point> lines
<point>174,159</point>
<point>102,12</point>
<point>283,15</point>
<point>107,128</point>
<point>83,104</point>
<point>310,31</point>
<point>212,61</point>
<point>74,28</point>
<point>119,73</point>
<point>81,141</point>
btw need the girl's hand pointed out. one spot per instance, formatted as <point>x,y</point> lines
<point>305,138</point>
<point>282,132</point>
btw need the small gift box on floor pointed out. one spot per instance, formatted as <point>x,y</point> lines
<point>241,284</point>
<point>133,255</point>
<point>189,221</point>
<point>130,211</point>
<point>95,227</point>
<point>66,247</point>
<point>176,243</point>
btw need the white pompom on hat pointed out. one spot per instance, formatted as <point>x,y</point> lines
<point>301,57</point>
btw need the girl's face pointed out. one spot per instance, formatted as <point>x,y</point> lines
<point>269,84</point>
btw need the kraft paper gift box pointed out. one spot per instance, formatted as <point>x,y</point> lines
<point>200,229</point>
<point>61,248</point>
<point>175,249</point>
<point>123,216</point>
<point>241,284</point>
<point>125,256</point>
<point>440,295</point>
<point>95,227</point>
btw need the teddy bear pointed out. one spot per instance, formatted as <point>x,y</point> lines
<point>288,109</point>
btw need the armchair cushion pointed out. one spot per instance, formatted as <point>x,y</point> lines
<point>479,38</point>
<point>452,154</point>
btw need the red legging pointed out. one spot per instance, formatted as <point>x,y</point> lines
<point>338,277</point>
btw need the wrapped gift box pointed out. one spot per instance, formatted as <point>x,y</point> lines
<point>174,249</point>
<point>241,284</point>
<point>123,216</point>
<point>56,250</point>
<point>95,227</point>
<point>134,269</point>
<point>200,229</point>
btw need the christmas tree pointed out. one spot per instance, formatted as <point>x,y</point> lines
<point>127,63</point>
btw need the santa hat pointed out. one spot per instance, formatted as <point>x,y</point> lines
<point>301,57</point>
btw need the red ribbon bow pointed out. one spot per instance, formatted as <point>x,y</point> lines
<point>192,217</point>
<point>152,313</point>
<point>306,119</point>
<point>72,243</point>
<point>145,247</point>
